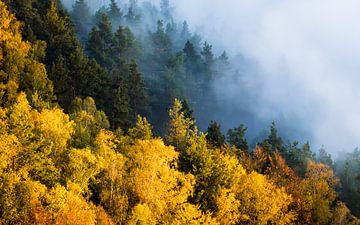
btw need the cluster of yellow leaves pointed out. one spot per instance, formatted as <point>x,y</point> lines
<point>18,66</point>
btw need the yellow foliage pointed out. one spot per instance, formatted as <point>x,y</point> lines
<point>9,147</point>
<point>102,218</point>
<point>112,180</point>
<point>18,66</point>
<point>261,202</point>
<point>20,120</point>
<point>141,215</point>
<point>55,128</point>
<point>142,129</point>
<point>227,205</point>
<point>179,127</point>
<point>68,208</point>
<point>154,178</point>
<point>316,193</point>
<point>191,215</point>
<point>82,166</point>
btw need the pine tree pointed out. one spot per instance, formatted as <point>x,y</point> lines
<point>192,58</point>
<point>208,61</point>
<point>100,41</point>
<point>214,135</point>
<point>137,91</point>
<point>81,17</point>
<point>120,112</point>
<point>166,9</point>
<point>123,44</point>
<point>236,137</point>
<point>274,140</point>
<point>115,14</point>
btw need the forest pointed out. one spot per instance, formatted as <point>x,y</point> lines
<point>97,126</point>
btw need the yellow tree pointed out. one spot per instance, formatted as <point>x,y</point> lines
<point>19,70</point>
<point>111,180</point>
<point>318,188</point>
<point>161,190</point>
<point>179,129</point>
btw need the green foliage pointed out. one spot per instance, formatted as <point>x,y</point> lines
<point>214,135</point>
<point>236,137</point>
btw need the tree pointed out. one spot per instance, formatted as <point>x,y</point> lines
<point>236,137</point>
<point>123,47</point>
<point>179,128</point>
<point>319,185</point>
<point>208,61</point>
<point>192,58</point>
<point>324,157</point>
<point>81,17</point>
<point>89,121</point>
<point>114,13</point>
<point>166,9</point>
<point>214,135</point>
<point>137,91</point>
<point>100,41</point>
<point>275,140</point>
<point>120,111</point>
<point>20,71</point>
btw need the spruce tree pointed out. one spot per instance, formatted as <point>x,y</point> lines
<point>214,135</point>
<point>81,17</point>
<point>115,14</point>
<point>236,137</point>
<point>137,91</point>
<point>120,110</point>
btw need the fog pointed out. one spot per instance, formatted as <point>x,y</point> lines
<point>308,58</point>
<point>297,62</point>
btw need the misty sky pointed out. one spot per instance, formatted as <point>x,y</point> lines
<point>308,54</point>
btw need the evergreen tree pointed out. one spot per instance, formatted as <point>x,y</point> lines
<point>137,91</point>
<point>275,140</point>
<point>124,44</point>
<point>81,17</point>
<point>100,41</point>
<point>214,135</point>
<point>132,18</point>
<point>166,9</point>
<point>208,61</point>
<point>324,157</point>
<point>120,112</point>
<point>185,34</point>
<point>236,137</point>
<point>192,59</point>
<point>114,13</point>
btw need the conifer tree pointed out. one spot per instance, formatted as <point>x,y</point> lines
<point>236,137</point>
<point>120,111</point>
<point>214,135</point>
<point>81,17</point>
<point>137,91</point>
<point>115,14</point>
<point>100,41</point>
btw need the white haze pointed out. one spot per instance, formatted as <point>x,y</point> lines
<point>307,55</point>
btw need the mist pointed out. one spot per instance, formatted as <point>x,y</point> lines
<point>307,55</point>
<point>295,63</point>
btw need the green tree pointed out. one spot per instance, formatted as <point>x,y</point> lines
<point>137,91</point>
<point>325,158</point>
<point>214,135</point>
<point>120,109</point>
<point>236,137</point>
<point>82,19</point>
<point>114,13</point>
<point>100,41</point>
